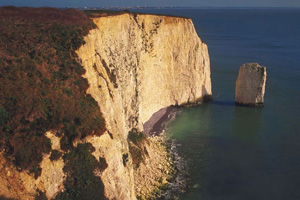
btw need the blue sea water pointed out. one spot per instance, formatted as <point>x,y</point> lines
<point>241,153</point>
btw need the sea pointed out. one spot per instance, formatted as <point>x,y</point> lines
<point>243,153</point>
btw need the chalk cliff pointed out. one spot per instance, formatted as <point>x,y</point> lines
<point>135,66</point>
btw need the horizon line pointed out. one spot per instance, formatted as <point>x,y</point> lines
<point>164,7</point>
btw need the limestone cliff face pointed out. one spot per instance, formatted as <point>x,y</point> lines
<point>22,185</point>
<point>136,65</point>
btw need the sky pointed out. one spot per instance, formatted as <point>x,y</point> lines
<point>153,3</point>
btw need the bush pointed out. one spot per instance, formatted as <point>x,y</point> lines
<point>41,82</point>
<point>81,182</point>
<point>136,154</point>
<point>135,136</point>
<point>55,155</point>
<point>136,147</point>
<point>40,196</point>
<point>4,116</point>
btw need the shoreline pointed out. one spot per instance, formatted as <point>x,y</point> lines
<point>166,171</point>
<point>159,121</point>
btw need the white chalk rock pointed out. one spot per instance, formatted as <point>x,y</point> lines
<point>250,85</point>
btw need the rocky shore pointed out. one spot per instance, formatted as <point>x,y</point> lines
<point>162,174</point>
<point>156,171</point>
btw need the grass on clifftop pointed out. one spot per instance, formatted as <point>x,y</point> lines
<point>41,84</point>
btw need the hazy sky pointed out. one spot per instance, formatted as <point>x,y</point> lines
<point>183,3</point>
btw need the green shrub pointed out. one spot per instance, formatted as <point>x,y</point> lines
<point>136,146</point>
<point>41,82</point>
<point>40,195</point>
<point>55,155</point>
<point>135,136</point>
<point>81,182</point>
<point>4,116</point>
<point>136,154</point>
<point>4,198</point>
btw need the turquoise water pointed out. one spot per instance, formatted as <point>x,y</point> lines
<point>240,153</point>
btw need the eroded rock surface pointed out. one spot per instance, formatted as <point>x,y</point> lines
<point>250,85</point>
<point>137,65</point>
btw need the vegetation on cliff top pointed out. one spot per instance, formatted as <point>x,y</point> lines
<point>41,84</point>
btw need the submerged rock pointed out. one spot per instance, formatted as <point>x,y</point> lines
<point>250,85</point>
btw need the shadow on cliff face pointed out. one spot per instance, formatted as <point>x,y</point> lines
<point>206,98</point>
<point>4,198</point>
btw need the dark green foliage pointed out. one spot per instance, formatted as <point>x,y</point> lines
<point>136,149</point>
<point>55,155</point>
<point>4,198</point>
<point>4,116</point>
<point>28,149</point>
<point>40,196</point>
<point>37,171</point>
<point>81,183</point>
<point>41,84</point>
<point>136,154</point>
<point>135,136</point>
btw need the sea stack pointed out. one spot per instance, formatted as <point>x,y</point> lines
<point>250,85</point>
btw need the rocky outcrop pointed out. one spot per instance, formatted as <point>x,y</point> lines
<point>250,85</point>
<point>137,65</point>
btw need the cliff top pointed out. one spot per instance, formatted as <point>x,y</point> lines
<point>105,13</point>
<point>64,16</point>
<point>45,15</point>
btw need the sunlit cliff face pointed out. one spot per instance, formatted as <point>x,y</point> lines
<point>136,65</point>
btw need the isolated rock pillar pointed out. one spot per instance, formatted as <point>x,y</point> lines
<point>250,85</point>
